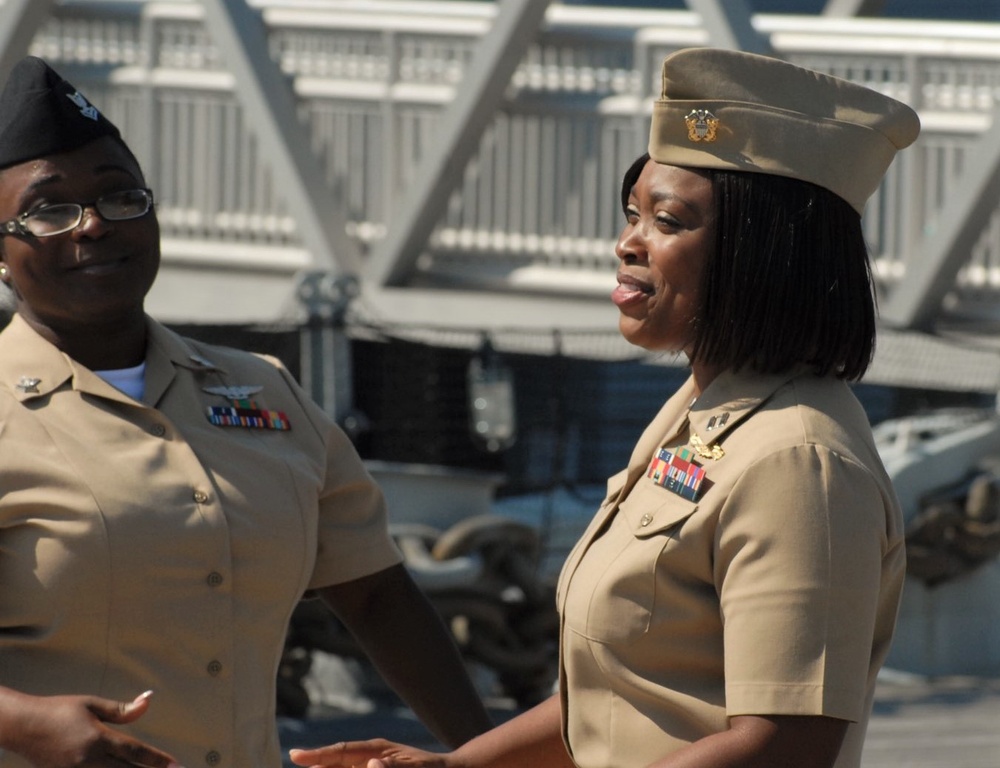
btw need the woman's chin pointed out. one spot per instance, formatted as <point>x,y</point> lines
<point>639,333</point>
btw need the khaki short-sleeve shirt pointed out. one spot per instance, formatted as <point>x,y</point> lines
<point>772,590</point>
<point>144,547</point>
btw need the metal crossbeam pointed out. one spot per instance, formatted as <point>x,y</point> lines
<point>931,273</point>
<point>848,8</point>
<point>269,102</point>
<point>729,25</point>
<point>19,21</point>
<point>461,126</point>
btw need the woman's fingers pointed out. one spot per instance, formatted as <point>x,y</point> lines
<point>374,753</point>
<point>120,711</point>
<point>138,754</point>
<point>344,754</point>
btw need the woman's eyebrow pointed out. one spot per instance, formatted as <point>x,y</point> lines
<point>52,178</point>
<point>667,196</point>
<point>36,185</point>
<point>114,168</point>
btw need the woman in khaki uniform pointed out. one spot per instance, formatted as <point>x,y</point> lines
<point>164,504</point>
<point>734,597</point>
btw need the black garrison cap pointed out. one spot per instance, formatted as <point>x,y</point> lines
<point>42,114</point>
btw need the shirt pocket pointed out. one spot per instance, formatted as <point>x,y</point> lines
<point>611,595</point>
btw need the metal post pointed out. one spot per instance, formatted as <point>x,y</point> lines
<point>326,368</point>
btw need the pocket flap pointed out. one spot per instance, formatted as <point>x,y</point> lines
<point>651,508</point>
<point>615,483</point>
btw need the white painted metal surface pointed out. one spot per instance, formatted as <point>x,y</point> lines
<point>536,209</point>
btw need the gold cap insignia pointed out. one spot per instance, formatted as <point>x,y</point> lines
<point>702,125</point>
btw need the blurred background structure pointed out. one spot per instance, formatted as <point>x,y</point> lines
<point>414,204</point>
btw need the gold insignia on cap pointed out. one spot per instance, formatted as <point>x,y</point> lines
<point>702,125</point>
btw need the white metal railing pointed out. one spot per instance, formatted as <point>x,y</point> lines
<point>541,194</point>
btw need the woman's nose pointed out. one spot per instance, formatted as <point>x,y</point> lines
<point>629,246</point>
<point>92,224</point>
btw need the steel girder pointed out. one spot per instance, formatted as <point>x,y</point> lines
<point>18,23</point>
<point>271,109</point>
<point>915,301</point>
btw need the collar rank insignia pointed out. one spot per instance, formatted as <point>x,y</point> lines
<point>676,471</point>
<point>717,421</point>
<point>28,384</point>
<point>204,362</point>
<point>244,411</point>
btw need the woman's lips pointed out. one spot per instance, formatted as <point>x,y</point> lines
<point>630,290</point>
<point>98,266</point>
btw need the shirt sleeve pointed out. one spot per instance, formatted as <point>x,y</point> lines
<point>800,547</point>
<point>352,536</point>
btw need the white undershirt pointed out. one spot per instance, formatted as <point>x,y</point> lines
<point>131,381</point>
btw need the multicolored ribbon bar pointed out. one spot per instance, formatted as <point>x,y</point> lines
<point>677,472</point>
<point>252,418</point>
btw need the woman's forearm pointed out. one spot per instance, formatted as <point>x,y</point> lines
<point>532,738</point>
<point>754,741</point>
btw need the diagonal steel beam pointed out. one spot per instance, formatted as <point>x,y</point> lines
<point>271,110</point>
<point>460,128</point>
<point>848,8</point>
<point>729,25</point>
<point>932,269</point>
<point>19,22</point>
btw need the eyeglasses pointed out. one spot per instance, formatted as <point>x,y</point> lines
<point>56,219</point>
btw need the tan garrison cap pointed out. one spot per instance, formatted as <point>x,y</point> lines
<point>745,112</point>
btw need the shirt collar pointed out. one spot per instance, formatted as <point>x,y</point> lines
<point>30,366</point>
<point>33,367</point>
<point>731,397</point>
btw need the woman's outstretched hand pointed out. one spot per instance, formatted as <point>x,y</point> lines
<point>71,731</point>
<point>530,738</point>
<point>375,753</point>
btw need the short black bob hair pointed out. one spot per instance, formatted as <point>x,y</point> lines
<point>789,281</point>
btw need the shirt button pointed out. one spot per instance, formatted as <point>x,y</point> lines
<point>200,496</point>
<point>214,667</point>
<point>213,758</point>
<point>158,430</point>
<point>214,579</point>
<point>646,520</point>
